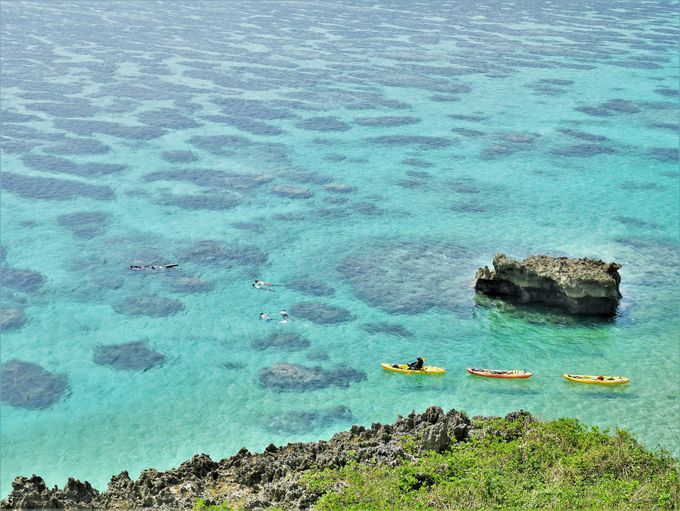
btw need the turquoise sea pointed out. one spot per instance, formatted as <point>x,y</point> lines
<point>365,157</point>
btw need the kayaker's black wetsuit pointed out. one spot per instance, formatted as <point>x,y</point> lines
<point>417,365</point>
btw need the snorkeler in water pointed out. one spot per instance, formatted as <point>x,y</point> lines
<point>259,284</point>
<point>153,266</point>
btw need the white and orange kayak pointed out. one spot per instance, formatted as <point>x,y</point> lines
<point>499,373</point>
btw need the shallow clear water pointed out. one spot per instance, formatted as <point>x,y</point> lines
<point>447,132</point>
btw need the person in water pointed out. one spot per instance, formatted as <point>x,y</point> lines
<point>153,266</point>
<point>284,316</point>
<point>264,316</point>
<point>258,284</point>
<point>417,365</point>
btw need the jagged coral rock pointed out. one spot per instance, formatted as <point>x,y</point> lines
<point>579,286</point>
<point>254,480</point>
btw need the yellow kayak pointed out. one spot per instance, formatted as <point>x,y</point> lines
<point>597,380</point>
<point>403,368</point>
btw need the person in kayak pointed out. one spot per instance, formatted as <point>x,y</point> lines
<point>417,365</point>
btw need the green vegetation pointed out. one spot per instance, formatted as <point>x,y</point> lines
<point>506,464</point>
<point>200,505</point>
<point>512,465</point>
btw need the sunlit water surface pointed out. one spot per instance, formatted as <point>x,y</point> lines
<point>364,157</point>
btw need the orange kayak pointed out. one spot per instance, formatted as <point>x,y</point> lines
<point>499,373</point>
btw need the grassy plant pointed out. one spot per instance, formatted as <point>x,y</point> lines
<point>559,464</point>
<point>200,505</point>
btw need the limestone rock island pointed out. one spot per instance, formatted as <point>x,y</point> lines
<point>579,286</point>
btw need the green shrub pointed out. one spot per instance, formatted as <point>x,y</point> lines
<point>200,505</point>
<point>560,464</point>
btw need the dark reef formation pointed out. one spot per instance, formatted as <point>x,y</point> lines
<point>380,327</point>
<point>310,286</point>
<point>254,481</point>
<point>148,305</point>
<point>408,278</point>
<point>27,281</point>
<point>85,224</point>
<point>30,386</point>
<point>283,340</point>
<point>321,313</point>
<point>129,356</point>
<point>287,377</point>
<point>12,318</point>
<point>579,286</point>
<point>299,422</point>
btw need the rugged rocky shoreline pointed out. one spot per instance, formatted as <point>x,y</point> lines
<point>578,286</point>
<point>254,481</point>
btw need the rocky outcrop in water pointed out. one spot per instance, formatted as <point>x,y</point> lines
<point>579,286</point>
<point>271,478</point>
<point>31,493</point>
